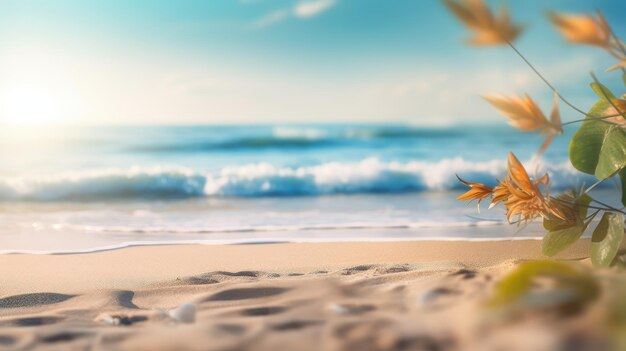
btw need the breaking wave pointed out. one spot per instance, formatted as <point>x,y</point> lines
<point>259,180</point>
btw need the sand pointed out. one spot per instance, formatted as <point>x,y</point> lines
<point>317,296</point>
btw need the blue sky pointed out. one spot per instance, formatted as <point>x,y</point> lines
<point>276,61</point>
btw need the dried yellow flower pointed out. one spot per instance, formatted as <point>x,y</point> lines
<point>487,28</point>
<point>583,29</point>
<point>477,191</point>
<point>525,200</point>
<point>521,196</point>
<point>524,114</point>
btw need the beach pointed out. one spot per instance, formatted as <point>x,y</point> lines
<point>411,295</point>
<point>320,237</point>
<point>312,175</point>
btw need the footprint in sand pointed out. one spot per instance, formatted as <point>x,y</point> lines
<point>377,270</point>
<point>295,325</point>
<point>6,340</point>
<point>63,337</point>
<point>262,311</point>
<point>246,293</point>
<point>356,269</point>
<point>30,300</point>
<point>221,276</point>
<point>465,274</point>
<point>31,321</point>
<point>393,269</point>
<point>232,329</point>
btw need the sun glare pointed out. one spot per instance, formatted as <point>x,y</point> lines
<point>26,106</point>
<point>30,105</point>
<point>36,91</point>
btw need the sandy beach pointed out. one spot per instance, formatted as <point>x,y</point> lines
<point>325,296</point>
<point>315,175</point>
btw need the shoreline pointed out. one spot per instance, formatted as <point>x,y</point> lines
<point>76,242</point>
<point>268,241</point>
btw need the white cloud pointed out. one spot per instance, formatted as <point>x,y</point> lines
<point>301,10</point>
<point>456,94</point>
<point>425,95</point>
<point>312,8</point>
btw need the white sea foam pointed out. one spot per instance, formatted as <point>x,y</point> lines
<point>280,228</point>
<point>298,133</point>
<point>258,180</point>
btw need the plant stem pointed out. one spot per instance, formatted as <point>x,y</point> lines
<point>621,113</point>
<point>593,215</point>
<point>584,119</point>
<point>618,43</point>
<point>594,185</point>
<point>595,207</point>
<point>609,207</point>
<point>578,205</point>
<point>552,87</point>
<point>605,208</point>
<point>544,79</point>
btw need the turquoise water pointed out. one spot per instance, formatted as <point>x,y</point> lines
<point>77,188</point>
<point>256,161</point>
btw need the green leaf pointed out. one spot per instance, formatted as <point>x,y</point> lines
<point>612,153</point>
<point>555,224</point>
<point>517,284</point>
<point>607,238</point>
<point>586,144</point>
<point>583,201</point>
<point>562,234</point>
<point>602,91</point>
<point>622,176</point>
<point>558,240</point>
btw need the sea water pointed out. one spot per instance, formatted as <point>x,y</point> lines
<point>84,188</point>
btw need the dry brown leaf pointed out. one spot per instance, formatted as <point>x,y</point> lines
<point>488,29</point>
<point>619,65</point>
<point>501,192</point>
<point>555,116</point>
<point>583,29</point>
<point>524,114</point>
<point>477,191</point>
<point>519,177</point>
<point>555,120</point>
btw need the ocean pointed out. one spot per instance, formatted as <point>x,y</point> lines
<point>90,188</point>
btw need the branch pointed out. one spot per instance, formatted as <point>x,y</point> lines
<point>553,88</point>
